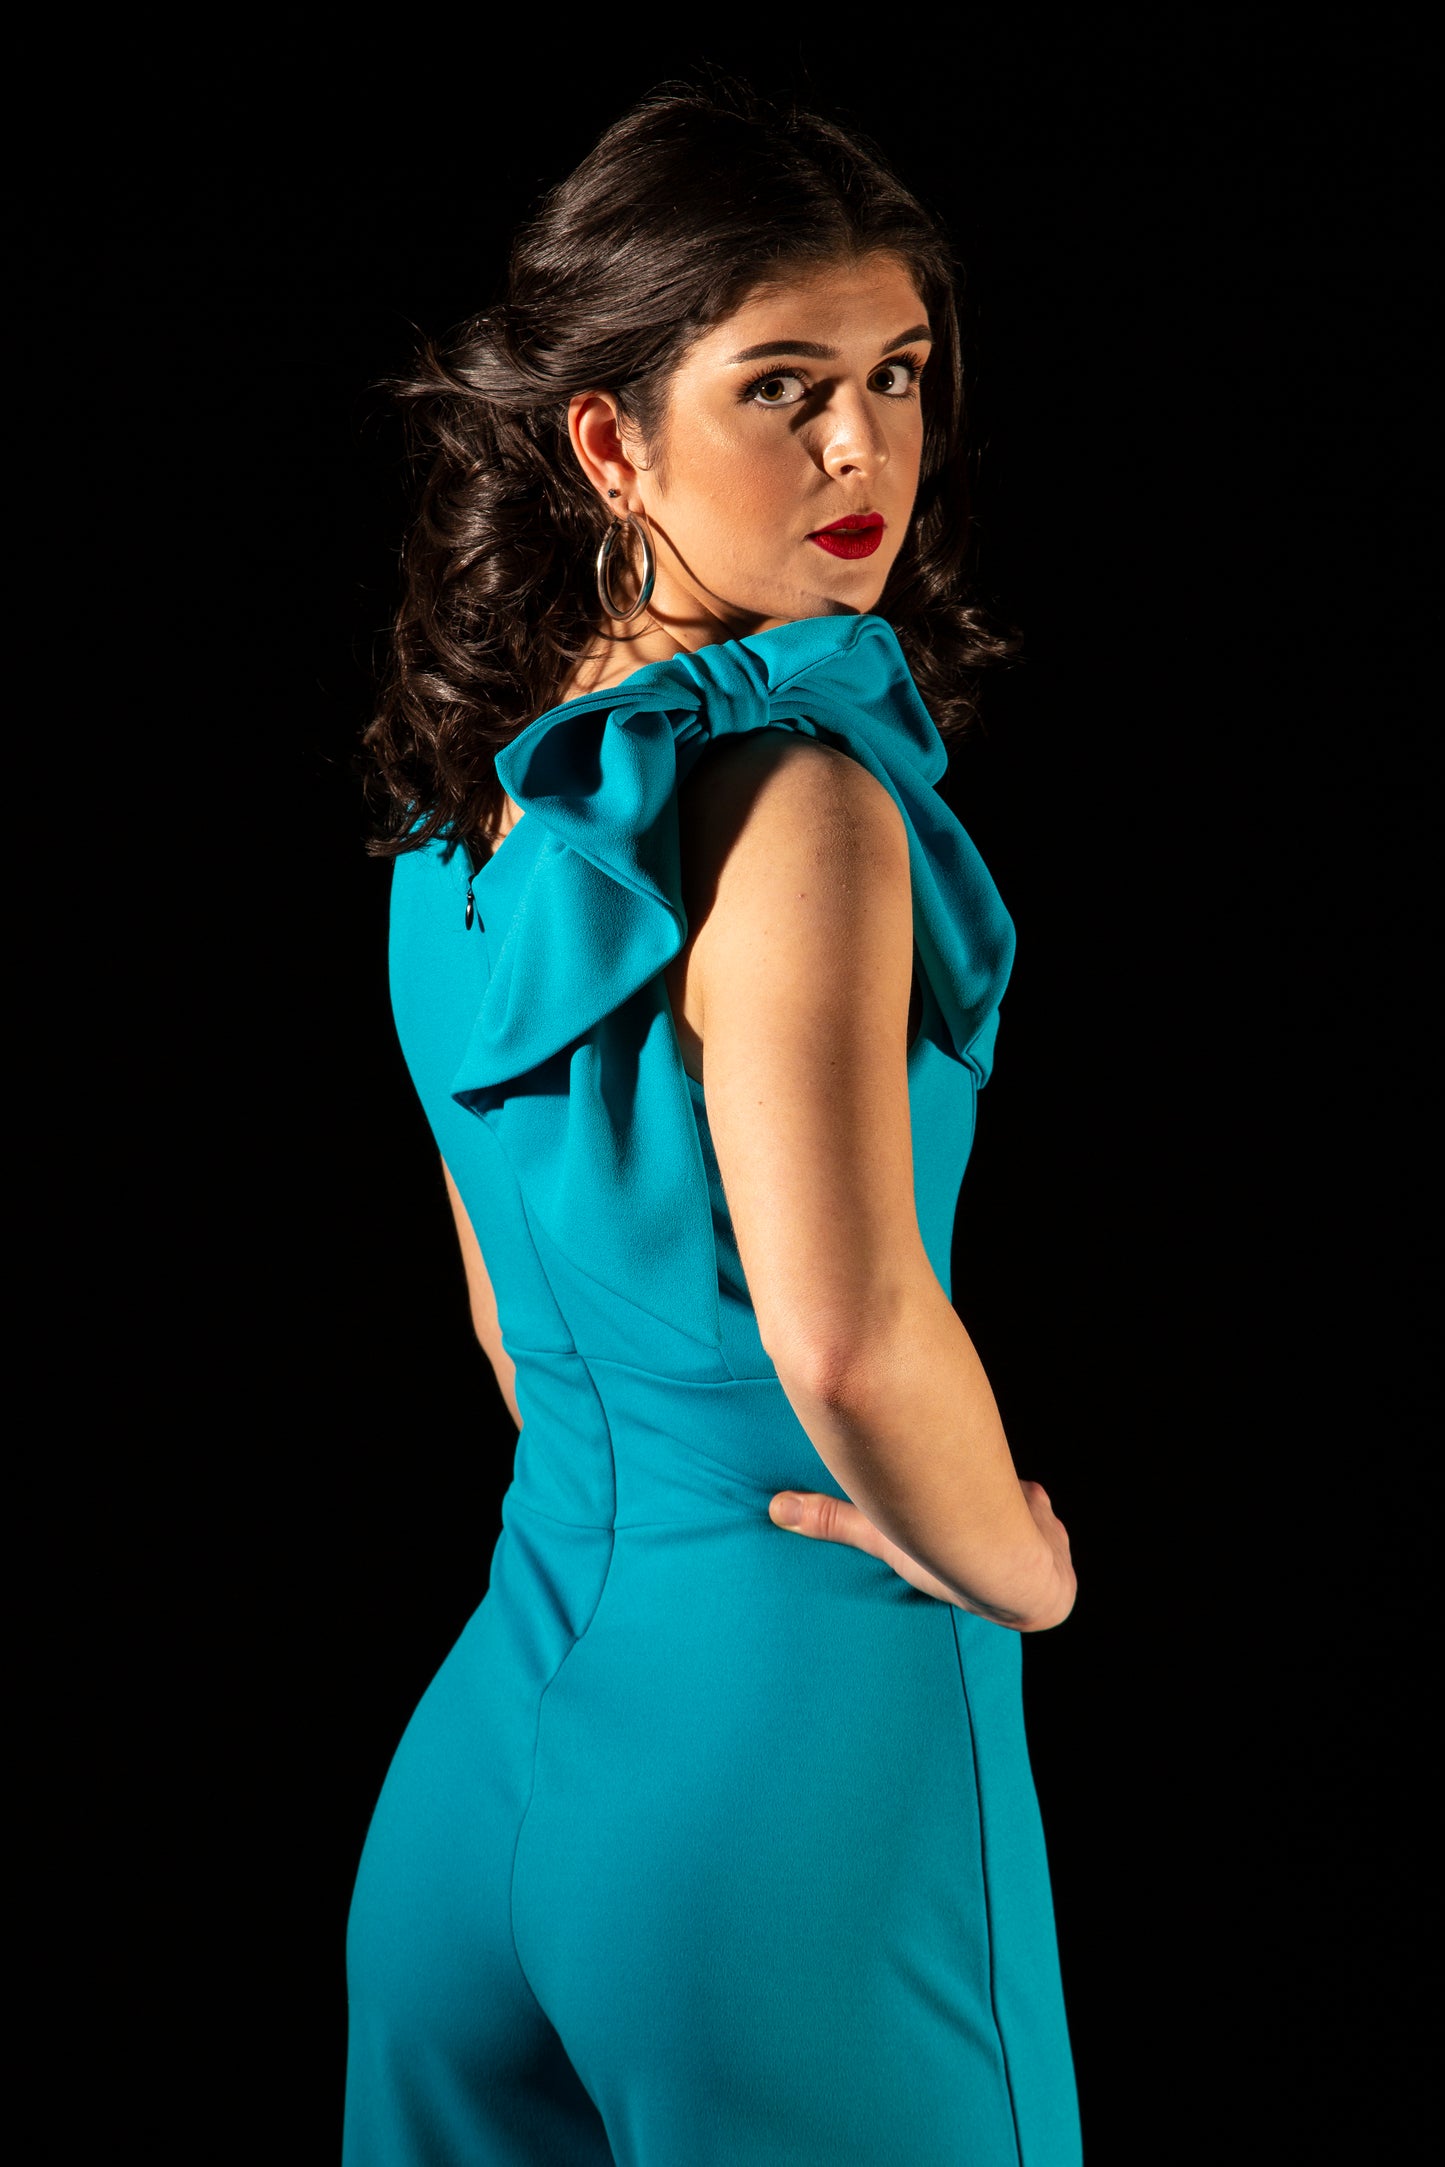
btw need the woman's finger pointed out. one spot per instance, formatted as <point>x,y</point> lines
<point>838,1519</point>
<point>830,1519</point>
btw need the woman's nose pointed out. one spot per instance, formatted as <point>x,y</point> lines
<point>854,443</point>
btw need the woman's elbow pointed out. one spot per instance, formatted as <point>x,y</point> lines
<point>503,1368</point>
<point>837,1358</point>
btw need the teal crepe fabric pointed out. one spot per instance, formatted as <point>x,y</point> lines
<point>572,1054</point>
<point>708,1843</point>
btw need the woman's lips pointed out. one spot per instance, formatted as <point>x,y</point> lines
<point>856,536</point>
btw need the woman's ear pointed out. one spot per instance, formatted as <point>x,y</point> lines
<point>594,425</point>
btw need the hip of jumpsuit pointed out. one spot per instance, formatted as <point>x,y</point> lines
<point>708,1845</point>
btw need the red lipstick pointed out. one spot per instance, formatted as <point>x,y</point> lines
<point>856,535</point>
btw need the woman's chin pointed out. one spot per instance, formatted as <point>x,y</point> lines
<point>848,598</point>
<point>841,587</point>
<point>832,591</point>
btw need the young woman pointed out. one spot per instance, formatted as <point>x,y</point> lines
<point>708,1845</point>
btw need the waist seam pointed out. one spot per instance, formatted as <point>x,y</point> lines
<point>683,1384</point>
<point>628,1527</point>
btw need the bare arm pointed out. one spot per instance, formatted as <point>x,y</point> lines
<point>801,909</point>
<point>483,1301</point>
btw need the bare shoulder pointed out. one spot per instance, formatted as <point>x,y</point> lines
<point>772,805</point>
<point>797,889</point>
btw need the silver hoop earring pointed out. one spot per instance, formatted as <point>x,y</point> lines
<point>604,562</point>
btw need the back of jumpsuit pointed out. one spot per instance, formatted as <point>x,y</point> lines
<point>708,1845</point>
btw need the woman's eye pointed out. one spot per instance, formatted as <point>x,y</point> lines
<point>904,375</point>
<point>774,390</point>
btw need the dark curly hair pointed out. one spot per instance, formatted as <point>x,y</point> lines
<point>686,204</point>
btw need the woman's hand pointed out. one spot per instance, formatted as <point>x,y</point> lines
<point>837,1519</point>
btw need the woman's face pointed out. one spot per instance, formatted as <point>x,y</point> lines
<point>797,411</point>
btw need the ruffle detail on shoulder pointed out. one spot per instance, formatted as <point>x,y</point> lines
<point>573,1055</point>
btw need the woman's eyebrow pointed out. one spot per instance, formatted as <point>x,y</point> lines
<point>816,352</point>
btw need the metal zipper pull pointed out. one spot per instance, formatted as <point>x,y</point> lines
<point>471,907</point>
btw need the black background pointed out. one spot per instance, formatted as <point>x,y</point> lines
<point>1189,1241</point>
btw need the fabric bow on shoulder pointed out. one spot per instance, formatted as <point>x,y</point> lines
<point>574,1058</point>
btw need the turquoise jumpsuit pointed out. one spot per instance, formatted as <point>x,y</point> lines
<point>708,1845</point>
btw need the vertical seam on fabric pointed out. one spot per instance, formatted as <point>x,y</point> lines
<point>712,1345</point>
<point>723,1356</point>
<point>499,1145</point>
<point>700,1166</point>
<point>541,1697</point>
<point>987,1899</point>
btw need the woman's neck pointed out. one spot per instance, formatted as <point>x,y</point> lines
<point>617,655</point>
